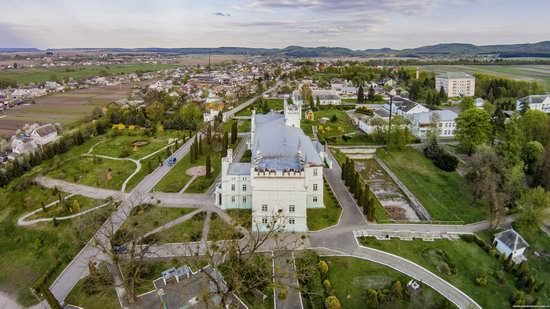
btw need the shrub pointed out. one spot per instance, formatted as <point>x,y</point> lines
<point>481,280</point>
<point>332,303</point>
<point>441,158</point>
<point>327,285</point>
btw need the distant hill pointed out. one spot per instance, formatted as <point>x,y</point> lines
<point>541,49</point>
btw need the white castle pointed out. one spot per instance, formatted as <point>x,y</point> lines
<point>284,178</point>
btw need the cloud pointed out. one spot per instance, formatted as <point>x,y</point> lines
<point>236,7</point>
<point>389,6</point>
<point>222,14</point>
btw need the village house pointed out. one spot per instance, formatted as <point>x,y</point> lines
<point>284,178</point>
<point>510,242</point>
<point>422,123</point>
<point>326,97</point>
<point>404,107</point>
<point>44,134</point>
<point>23,144</point>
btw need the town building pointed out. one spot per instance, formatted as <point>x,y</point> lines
<point>284,177</point>
<point>405,107</point>
<point>510,242</point>
<point>446,123</point>
<point>456,84</point>
<point>326,97</point>
<point>539,102</point>
<point>23,144</point>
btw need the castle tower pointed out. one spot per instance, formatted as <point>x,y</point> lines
<point>293,114</point>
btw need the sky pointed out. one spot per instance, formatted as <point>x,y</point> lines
<point>355,24</point>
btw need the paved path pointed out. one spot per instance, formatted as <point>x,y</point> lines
<point>78,267</point>
<point>206,226</point>
<point>230,113</point>
<point>87,191</point>
<point>285,275</point>
<point>23,222</point>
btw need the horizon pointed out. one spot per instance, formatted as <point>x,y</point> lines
<point>353,24</point>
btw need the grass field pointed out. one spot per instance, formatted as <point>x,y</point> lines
<point>59,210</point>
<point>342,125</point>
<point>539,73</point>
<point>94,172</point>
<point>274,104</point>
<point>42,74</point>
<point>146,218</point>
<point>120,146</point>
<point>221,230</point>
<point>37,249</point>
<point>352,277</point>
<point>446,195</point>
<point>469,259</point>
<point>190,230</point>
<point>318,219</point>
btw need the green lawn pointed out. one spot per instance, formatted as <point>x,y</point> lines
<point>190,230</point>
<point>59,210</point>
<point>273,104</point>
<point>146,218</point>
<point>342,125</point>
<point>120,146</point>
<point>221,230</point>
<point>147,166</point>
<point>318,219</point>
<point>93,171</point>
<point>351,278</point>
<point>37,249</point>
<point>446,195</point>
<point>469,259</point>
<point>177,178</point>
<point>39,75</point>
<point>242,216</point>
<point>86,296</point>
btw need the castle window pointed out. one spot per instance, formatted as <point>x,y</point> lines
<point>315,187</point>
<point>264,208</point>
<point>233,199</point>
<point>244,199</point>
<point>314,172</point>
<point>291,208</point>
<point>264,220</point>
<point>244,187</point>
<point>291,221</point>
<point>315,199</point>
<point>232,187</point>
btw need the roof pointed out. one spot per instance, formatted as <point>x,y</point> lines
<point>512,239</point>
<point>382,112</point>
<point>45,129</point>
<point>444,115</point>
<point>539,98</point>
<point>279,144</point>
<point>239,169</point>
<point>322,94</point>
<point>449,75</point>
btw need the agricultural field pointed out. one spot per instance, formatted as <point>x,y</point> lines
<point>64,108</point>
<point>351,278</point>
<point>42,74</point>
<point>445,195</point>
<point>538,73</point>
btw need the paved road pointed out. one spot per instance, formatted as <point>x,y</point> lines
<point>230,113</point>
<point>91,192</point>
<point>79,265</point>
<point>285,274</point>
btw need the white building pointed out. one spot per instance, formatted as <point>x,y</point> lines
<point>405,107</point>
<point>284,178</point>
<point>24,144</point>
<point>446,123</point>
<point>326,97</point>
<point>510,242</point>
<point>456,84</point>
<point>44,134</point>
<point>539,102</point>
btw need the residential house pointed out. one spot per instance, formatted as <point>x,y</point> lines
<point>510,242</point>
<point>539,102</point>
<point>326,97</point>
<point>479,103</point>
<point>405,107</point>
<point>380,119</point>
<point>23,144</point>
<point>44,134</point>
<point>422,123</point>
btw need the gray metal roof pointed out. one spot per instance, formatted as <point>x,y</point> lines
<point>279,143</point>
<point>539,98</point>
<point>239,169</point>
<point>444,115</point>
<point>454,75</point>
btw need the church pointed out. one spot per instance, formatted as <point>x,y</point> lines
<point>284,177</point>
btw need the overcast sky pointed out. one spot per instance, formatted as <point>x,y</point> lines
<point>356,24</point>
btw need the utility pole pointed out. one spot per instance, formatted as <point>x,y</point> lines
<point>391,111</point>
<point>209,54</point>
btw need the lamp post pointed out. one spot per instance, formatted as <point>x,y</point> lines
<point>391,111</point>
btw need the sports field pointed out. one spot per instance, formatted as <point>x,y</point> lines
<point>538,73</point>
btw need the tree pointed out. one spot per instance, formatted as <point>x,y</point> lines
<point>373,298</point>
<point>234,132</point>
<point>154,111</point>
<point>511,142</point>
<point>225,144</point>
<point>191,112</point>
<point>332,302</point>
<point>76,206</point>
<point>499,123</point>
<point>533,207</point>
<point>535,126</point>
<point>442,94</point>
<point>433,132</point>
<point>209,134</point>
<point>50,298</point>
<point>360,95</point>
<point>532,154</point>
<point>371,97</point>
<point>473,128</point>
<point>467,103</point>
<point>208,167</point>
<point>397,289</point>
<point>323,267</point>
<point>200,145</point>
<point>542,175</point>
<point>490,179</point>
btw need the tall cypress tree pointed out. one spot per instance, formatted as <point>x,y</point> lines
<point>343,172</point>
<point>52,301</point>
<point>200,145</point>
<point>360,95</point>
<point>357,189</point>
<point>225,142</point>
<point>234,132</point>
<point>208,167</point>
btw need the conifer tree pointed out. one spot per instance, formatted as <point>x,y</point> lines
<point>200,145</point>
<point>208,167</point>
<point>234,132</point>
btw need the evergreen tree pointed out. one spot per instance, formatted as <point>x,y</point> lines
<point>372,94</point>
<point>344,167</point>
<point>208,167</point>
<point>209,134</point>
<point>234,132</point>
<point>370,212</point>
<point>358,187</point>
<point>43,207</point>
<point>225,142</point>
<point>200,145</point>
<point>55,222</point>
<point>50,298</point>
<point>360,95</point>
